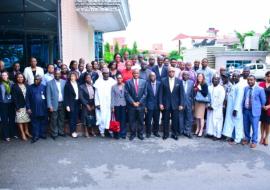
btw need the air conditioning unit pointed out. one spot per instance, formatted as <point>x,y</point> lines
<point>251,43</point>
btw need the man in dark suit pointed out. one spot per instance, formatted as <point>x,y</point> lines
<point>135,93</point>
<point>160,70</point>
<point>186,117</point>
<point>89,70</point>
<point>171,102</point>
<point>55,99</point>
<point>152,106</point>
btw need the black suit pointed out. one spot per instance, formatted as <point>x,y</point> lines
<point>70,100</point>
<point>171,102</point>
<point>152,105</point>
<point>17,96</point>
<point>164,72</point>
<point>136,114</point>
<point>94,77</point>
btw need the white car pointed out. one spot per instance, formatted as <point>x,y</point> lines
<point>257,69</point>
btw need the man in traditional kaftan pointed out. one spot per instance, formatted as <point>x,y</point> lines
<point>103,88</point>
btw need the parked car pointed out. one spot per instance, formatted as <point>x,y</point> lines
<point>258,70</point>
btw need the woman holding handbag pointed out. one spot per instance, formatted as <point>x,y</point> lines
<point>87,94</point>
<point>118,104</point>
<point>201,99</point>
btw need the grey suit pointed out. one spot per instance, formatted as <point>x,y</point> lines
<point>58,115</point>
<point>186,117</point>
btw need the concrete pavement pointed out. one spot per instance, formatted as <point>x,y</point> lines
<point>96,163</point>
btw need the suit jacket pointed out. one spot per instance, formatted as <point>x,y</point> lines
<point>152,101</point>
<point>174,99</point>
<point>28,74</point>
<point>118,97</point>
<point>258,99</point>
<point>94,77</point>
<point>164,72</point>
<point>132,96</point>
<point>189,95</point>
<point>70,95</point>
<point>85,97</point>
<point>53,93</point>
<point>17,96</point>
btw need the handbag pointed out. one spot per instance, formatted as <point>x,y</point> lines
<point>114,125</point>
<point>202,99</point>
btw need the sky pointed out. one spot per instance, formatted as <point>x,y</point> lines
<point>159,21</point>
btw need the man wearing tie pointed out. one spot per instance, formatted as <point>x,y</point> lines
<point>186,117</point>
<point>254,100</point>
<point>135,93</point>
<point>171,102</point>
<point>152,106</point>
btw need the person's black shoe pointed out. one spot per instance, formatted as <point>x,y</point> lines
<point>116,137</point>
<point>188,136</point>
<point>53,137</point>
<point>131,138</point>
<point>148,135</point>
<point>34,140</point>
<point>164,137</point>
<point>43,137</point>
<point>157,135</point>
<point>62,135</point>
<point>174,137</point>
<point>123,137</point>
<point>140,137</point>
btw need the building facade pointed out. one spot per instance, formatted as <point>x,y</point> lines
<point>58,29</point>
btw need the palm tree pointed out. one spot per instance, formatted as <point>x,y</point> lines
<point>264,40</point>
<point>242,37</point>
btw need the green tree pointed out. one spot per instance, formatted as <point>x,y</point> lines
<point>264,40</point>
<point>134,50</point>
<point>242,37</point>
<point>108,56</point>
<point>123,50</point>
<point>116,48</point>
<point>175,55</point>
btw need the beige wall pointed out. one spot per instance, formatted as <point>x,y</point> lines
<point>77,35</point>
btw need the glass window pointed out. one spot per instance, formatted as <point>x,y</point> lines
<point>259,66</point>
<point>11,5</point>
<point>28,28</point>
<point>252,67</point>
<point>40,5</point>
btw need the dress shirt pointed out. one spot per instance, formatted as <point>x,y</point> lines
<point>185,85</point>
<point>171,83</point>
<point>60,95</point>
<point>76,90</point>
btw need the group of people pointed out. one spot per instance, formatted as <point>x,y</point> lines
<point>141,95</point>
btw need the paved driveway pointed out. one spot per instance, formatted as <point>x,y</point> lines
<point>95,163</point>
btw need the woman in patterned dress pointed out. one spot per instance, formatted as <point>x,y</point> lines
<point>18,94</point>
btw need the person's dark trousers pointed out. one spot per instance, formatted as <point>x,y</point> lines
<point>57,119</point>
<point>7,114</point>
<point>120,115</point>
<point>186,120</point>
<point>136,118</point>
<point>174,115</point>
<point>73,117</point>
<point>251,122</point>
<point>39,126</point>
<point>152,115</point>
